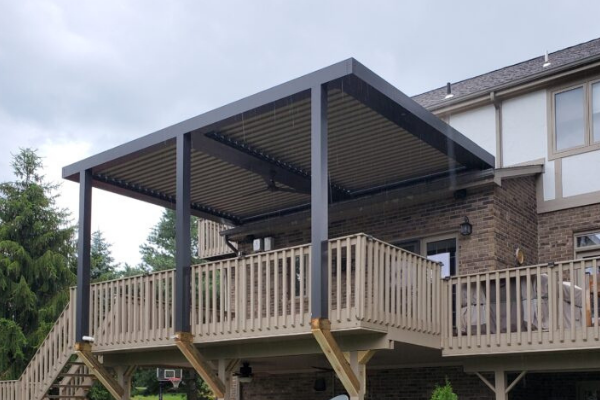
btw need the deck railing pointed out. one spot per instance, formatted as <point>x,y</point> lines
<point>210,241</point>
<point>523,309</point>
<point>268,294</point>
<point>9,390</point>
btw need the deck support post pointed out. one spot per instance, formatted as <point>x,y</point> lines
<point>358,361</point>
<point>124,376</point>
<point>82,319</point>
<point>321,330</point>
<point>225,370</point>
<point>185,343</point>
<point>500,386</point>
<point>84,351</point>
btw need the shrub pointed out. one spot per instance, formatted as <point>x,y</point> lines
<point>444,392</point>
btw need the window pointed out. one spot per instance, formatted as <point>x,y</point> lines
<point>576,119</point>
<point>587,245</point>
<point>443,251</point>
<point>439,248</point>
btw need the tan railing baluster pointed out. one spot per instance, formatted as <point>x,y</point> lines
<point>360,277</point>
<point>284,287</point>
<point>221,298</point>
<point>478,308</point>
<point>228,295</point>
<point>529,308</point>
<point>458,303</point>
<point>213,289</point>
<point>520,304</point>
<point>539,304</point>
<point>260,292</point>
<point>301,294</point>
<point>498,319</point>
<point>388,285</point>
<point>561,319</point>
<point>276,279</point>
<point>293,287</point>
<point>469,302</point>
<point>268,294</point>
<point>595,297</point>
<point>508,308</point>
<point>551,304</point>
<point>370,261</point>
<point>348,279</point>
<point>572,297</point>
<point>410,270</point>
<point>585,300</point>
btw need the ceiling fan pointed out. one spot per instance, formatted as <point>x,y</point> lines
<point>272,186</point>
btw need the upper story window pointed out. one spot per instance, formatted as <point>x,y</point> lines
<point>576,119</point>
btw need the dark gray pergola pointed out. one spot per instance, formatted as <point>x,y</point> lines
<point>335,135</point>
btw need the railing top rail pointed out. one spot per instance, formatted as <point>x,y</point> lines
<point>399,248</point>
<point>526,267</point>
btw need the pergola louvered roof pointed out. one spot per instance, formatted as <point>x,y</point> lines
<point>251,159</point>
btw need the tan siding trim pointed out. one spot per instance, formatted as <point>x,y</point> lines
<point>558,186</point>
<point>569,202</point>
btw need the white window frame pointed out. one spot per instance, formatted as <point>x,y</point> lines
<point>586,251</point>
<point>589,144</point>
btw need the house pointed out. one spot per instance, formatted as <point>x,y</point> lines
<point>359,241</point>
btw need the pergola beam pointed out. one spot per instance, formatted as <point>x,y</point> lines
<point>161,199</point>
<point>258,161</point>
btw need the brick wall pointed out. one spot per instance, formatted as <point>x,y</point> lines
<point>417,383</point>
<point>406,383</point>
<point>551,386</point>
<point>503,219</point>
<point>556,231</point>
<point>516,221</point>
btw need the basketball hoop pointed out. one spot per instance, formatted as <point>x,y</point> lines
<point>175,381</point>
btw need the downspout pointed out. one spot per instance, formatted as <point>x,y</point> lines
<point>498,107</point>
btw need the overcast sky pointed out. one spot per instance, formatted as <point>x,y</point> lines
<point>80,77</point>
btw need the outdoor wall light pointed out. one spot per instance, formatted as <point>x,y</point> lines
<point>245,374</point>
<point>466,228</point>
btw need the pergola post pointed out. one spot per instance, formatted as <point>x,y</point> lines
<point>182,235</point>
<point>319,203</point>
<point>320,324</point>
<point>184,339</point>
<point>82,319</point>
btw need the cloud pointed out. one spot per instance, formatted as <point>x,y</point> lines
<point>80,77</point>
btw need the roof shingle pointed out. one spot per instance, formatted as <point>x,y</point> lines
<point>513,73</point>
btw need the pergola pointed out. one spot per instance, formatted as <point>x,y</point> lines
<point>333,136</point>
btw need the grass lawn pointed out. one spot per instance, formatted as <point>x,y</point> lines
<point>165,397</point>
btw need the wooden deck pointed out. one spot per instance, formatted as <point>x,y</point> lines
<point>376,288</point>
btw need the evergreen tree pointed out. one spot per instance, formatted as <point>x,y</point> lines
<point>103,265</point>
<point>158,253</point>
<point>35,249</point>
